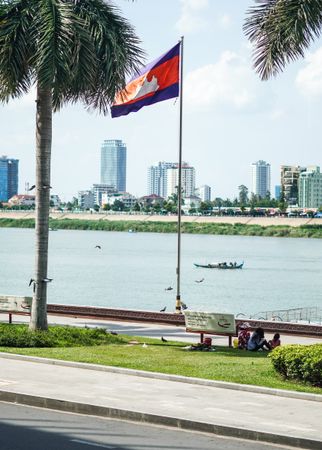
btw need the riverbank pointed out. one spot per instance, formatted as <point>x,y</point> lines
<point>242,226</point>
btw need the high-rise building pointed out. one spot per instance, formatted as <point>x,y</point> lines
<point>261,178</point>
<point>310,188</point>
<point>187,180</point>
<point>158,178</point>
<point>8,178</point>
<point>204,192</point>
<point>113,164</point>
<point>289,183</point>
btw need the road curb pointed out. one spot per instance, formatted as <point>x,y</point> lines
<point>135,416</point>
<point>168,377</point>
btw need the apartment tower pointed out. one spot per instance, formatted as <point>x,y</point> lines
<point>8,178</point>
<point>113,164</point>
<point>261,178</point>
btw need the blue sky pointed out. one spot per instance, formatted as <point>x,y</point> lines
<point>231,118</point>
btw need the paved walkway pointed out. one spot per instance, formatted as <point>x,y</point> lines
<point>129,395</point>
<point>223,408</point>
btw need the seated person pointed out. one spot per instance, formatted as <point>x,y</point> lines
<point>243,336</point>
<point>257,341</point>
<point>275,342</point>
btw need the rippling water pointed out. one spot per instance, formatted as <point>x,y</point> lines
<point>132,270</point>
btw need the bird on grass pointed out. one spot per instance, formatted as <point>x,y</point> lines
<point>199,281</point>
<point>98,246</point>
<point>163,339</point>
<point>170,288</point>
<point>114,333</point>
<point>163,309</point>
<point>144,345</point>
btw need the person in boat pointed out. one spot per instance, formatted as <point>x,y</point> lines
<point>231,264</point>
<point>257,341</point>
<point>235,264</point>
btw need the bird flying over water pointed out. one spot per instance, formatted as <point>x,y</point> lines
<point>31,281</point>
<point>98,246</point>
<point>199,281</point>
<point>163,309</point>
<point>170,288</point>
<point>183,305</point>
<point>32,187</point>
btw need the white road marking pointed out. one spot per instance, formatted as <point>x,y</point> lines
<point>79,441</point>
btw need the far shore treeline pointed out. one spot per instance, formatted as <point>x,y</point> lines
<point>239,229</point>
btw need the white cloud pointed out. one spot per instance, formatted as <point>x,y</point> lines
<point>228,82</point>
<point>225,21</point>
<point>277,114</point>
<point>309,79</point>
<point>191,20</point>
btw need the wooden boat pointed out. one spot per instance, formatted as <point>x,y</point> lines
<point>224,266</point>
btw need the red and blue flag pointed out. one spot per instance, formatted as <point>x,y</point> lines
<point>155,82</point>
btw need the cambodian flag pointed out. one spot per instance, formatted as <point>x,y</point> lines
<point>155,82</point>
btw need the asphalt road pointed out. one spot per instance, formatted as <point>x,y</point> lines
<point>28,428</point>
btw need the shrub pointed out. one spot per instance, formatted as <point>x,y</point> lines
<point>299,362</point>
<point>56,336</point>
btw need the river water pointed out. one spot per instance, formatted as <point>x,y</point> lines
<point>132,270</point>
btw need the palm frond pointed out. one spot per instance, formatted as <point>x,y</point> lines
<point>16,47</point>
<point>281,31</point>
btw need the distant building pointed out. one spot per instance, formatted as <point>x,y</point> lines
<point>261,178</point>
<point>204,192</point>
<point>157,178</point>
<point>187,180</point>
<point>191,202</point>
<point>86,199</point>
<point>99,189</point>
<point>150,200</point>
<point>310,188</point>
<point>55,200</point>
<point>8,178</point>
<point>289,183</point>
<point>113,164</point>
<point>278,190</point>
<point>22,200</point>
<point>127,199</point>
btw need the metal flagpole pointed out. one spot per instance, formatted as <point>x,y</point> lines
<point>178,296</point>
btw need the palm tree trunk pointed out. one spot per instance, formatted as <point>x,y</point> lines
<point>38,318</point>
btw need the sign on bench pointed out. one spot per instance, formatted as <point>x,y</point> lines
<point>210,323</point>
<point>13,304</point>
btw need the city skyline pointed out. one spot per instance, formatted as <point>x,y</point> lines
<point>238,121</point>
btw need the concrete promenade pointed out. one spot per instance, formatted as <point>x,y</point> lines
<point>281,417</point>
<point>263,221</point>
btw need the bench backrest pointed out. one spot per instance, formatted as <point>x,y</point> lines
<point>13,303</point>
<point>212,323</point>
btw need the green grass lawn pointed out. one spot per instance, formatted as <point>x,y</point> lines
<point>225,364</point>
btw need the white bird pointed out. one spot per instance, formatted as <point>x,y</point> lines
<point>144,345</point>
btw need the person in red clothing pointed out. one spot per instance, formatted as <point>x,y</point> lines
<point>243,336</point>
<point>275,342</point>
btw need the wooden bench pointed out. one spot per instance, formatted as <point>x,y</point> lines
<point>13,304</point>
<point>211,323</point>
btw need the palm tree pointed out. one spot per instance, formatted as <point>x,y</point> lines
<point>281,30</point>
<point>71,50</point>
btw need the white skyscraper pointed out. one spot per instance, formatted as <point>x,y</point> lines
<point>187,180</point>
<point>157,178</point>
<point>204,192</point>
<point>261,178</point>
